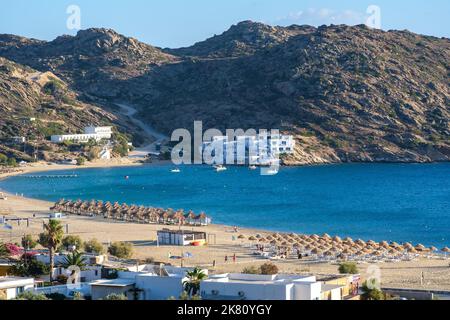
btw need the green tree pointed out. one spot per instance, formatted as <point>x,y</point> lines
<point>371,291</point>
<point>115,296</point>
<point>29,295</point>
<point>94,246</point>
<point>269,269</point>
<point>81,161</point>
<point>56,296</point>
<point>11,162</point>
<point>122,250</point>
<point>192,284</point>
<point>72,240</point>
<point>4,252</point>
<point>251,270</point>
<point>3,159</point>
<point>75,259</point>
<point>51,239</point>
<point>348,268</point>
<point>29,267</point>
<point>28,243</point>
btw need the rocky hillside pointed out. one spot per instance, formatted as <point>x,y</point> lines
<point>245,38</point>
<point>346,93</point>
<point>36,105</point>
<point>94,62</point>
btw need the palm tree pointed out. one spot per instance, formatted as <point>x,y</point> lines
<point>192,284</point>
<point>74,259</point>
<point>51,239</point>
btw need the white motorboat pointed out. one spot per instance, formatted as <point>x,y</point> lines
<point>269,171</point>
<point>253,167</point>
<point>220,168</point>
<point>175,170</point>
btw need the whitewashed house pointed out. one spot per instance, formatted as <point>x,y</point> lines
<point>148,283</point>
<point>234,286</point>
<point>261,149</point>
<point>11,287</point>
<point>95,133</point>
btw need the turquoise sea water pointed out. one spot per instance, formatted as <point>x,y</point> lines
<point>398,202</point>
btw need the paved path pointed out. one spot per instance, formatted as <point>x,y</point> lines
<point>151,133</point>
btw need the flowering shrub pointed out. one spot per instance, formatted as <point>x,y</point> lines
<point>13,249</point>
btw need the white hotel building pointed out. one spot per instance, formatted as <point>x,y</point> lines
<point>260,149</point>
<point>95,133</point>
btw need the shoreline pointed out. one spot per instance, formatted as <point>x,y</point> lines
<point>41,167</point>
<point>223,242</point>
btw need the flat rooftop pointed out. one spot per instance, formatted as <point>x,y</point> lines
<point>8,279</point>
<point>181,232</point>
<point>114,283</point>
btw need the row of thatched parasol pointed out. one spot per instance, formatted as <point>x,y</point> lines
<point>328,245</point>
<point>130,213</point>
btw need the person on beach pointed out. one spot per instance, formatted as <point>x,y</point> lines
<point>214,263</point>
<point>226,258</point>
<point>234,258</point>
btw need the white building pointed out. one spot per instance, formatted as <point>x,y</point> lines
<point>11,287</point>
<point>168,237</point>
<point>148,283</point>
<point>235,286</point>
<point>95,133</point>
<point>261,149</point>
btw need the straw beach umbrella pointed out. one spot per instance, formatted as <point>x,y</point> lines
<point>420,247</point>
<point>394,244</point>
<point>384,244</point>
<point>407,245</point>
<point>326,236</point>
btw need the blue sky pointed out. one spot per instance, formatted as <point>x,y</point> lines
<point>176,23</point>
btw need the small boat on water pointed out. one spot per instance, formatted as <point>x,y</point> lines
<point>269,171</point>
<point>220,168</point>
<point>175,170</point>
<point>253,167</point>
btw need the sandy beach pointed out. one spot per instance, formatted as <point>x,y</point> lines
<point>406,274</point>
